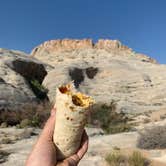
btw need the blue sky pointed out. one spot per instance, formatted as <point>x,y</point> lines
<point>139,24</point>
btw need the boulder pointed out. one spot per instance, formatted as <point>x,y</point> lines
<point>17,72</point>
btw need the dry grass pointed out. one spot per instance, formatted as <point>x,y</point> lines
<point>116,158</point>
<point>136,159</point>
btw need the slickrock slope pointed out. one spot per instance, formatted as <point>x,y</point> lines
<point>106,70</point>
<point>99,146</point>
<point>16,70</point>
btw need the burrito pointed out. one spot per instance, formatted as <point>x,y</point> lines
<point>72,108</point>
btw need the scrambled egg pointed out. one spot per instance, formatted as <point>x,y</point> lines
<point>78,98</point>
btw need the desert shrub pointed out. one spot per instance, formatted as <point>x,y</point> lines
<point>136,159</point>
<point>3,125</point>
<point>116,158</point>
<point>118,128</point>
<point>39,90</point>
<point>106,117</point>
<point>152,138</point>
<point>6,140</point>
<point>9,117</point>
<point>25,123</point>
<point>36,120</point>
<point>3,156</point>
<point>28,115</point>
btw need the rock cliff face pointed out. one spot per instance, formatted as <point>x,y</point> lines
<point>68,45</point>
<point>17,71</point>
<point>63,45</point>
<point>106,70</point>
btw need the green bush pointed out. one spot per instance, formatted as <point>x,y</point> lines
<point>106,117</point>
<point>39,90</point>
<point>36,84</point>
<point>153,138</point>
<point>35,122</point>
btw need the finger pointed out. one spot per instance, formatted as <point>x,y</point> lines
<point>84,146</point>
<point>53,112</point>
<point>48,129</point>
<point>72,160</point>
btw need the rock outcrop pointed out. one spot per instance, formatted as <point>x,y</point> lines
<point>54,47</point>
<point>63,45</point>
<point>17,70</point>
<point>108,71</point>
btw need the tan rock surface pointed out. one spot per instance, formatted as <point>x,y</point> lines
<point>53,47</point>
<point>99,146</point>
<point>107,71</point>
<point>15,70</point>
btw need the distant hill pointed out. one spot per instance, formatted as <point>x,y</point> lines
<point>107,70</point>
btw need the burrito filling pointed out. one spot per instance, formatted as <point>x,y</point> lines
<point>78,98</point>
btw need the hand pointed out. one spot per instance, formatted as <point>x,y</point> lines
<point>74,159</point>
<point>44,151</point>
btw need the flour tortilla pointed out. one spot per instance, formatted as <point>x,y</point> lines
<point>72,109</point>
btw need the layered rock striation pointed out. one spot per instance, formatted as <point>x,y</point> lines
<point>68,45</point>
